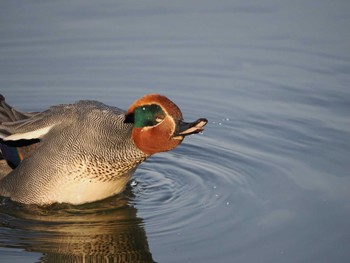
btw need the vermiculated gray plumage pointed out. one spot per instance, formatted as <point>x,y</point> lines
<point>85,145</point>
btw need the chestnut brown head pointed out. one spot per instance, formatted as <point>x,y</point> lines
<point>158,124</point>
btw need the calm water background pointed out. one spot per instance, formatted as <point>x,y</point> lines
<point>269,179</point>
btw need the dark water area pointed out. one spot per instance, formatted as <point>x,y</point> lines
<point>268,180</point>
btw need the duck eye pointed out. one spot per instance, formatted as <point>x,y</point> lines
<point>148,115</point>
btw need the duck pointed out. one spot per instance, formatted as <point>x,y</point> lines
<point>85,151</point>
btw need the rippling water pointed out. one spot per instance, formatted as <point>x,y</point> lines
<point>268,181</point>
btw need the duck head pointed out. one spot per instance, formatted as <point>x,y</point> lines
<point>158,124</point>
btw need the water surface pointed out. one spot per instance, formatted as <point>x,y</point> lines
<point>268,181</point>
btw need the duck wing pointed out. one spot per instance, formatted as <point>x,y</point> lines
<point>17,125</point>
<point>20,132</point>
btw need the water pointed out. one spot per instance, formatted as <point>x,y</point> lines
<point>268,181</point>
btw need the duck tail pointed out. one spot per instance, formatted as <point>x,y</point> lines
<point>10,114</point>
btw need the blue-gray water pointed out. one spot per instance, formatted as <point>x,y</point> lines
<point>268,181</point>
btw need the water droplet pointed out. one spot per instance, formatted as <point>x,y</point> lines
<point>227,203</point>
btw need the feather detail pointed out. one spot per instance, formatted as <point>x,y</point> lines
<point>36,134</point>
<point>11,155</point>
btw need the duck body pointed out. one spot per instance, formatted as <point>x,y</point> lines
<point>88,155</point>
<point>81,152</point>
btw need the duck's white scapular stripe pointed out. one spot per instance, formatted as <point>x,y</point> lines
<point>36,134</point>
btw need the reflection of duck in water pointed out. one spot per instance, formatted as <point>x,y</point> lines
<point>107,231</point>
<point>87,151</point>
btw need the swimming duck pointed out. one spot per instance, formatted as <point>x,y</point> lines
<point>86,151</point>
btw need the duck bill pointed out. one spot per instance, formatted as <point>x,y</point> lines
<point>187,128</point>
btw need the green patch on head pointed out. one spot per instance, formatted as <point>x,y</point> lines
<point>148,115</point>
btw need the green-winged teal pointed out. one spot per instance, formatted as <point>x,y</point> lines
<point>86,151</point>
